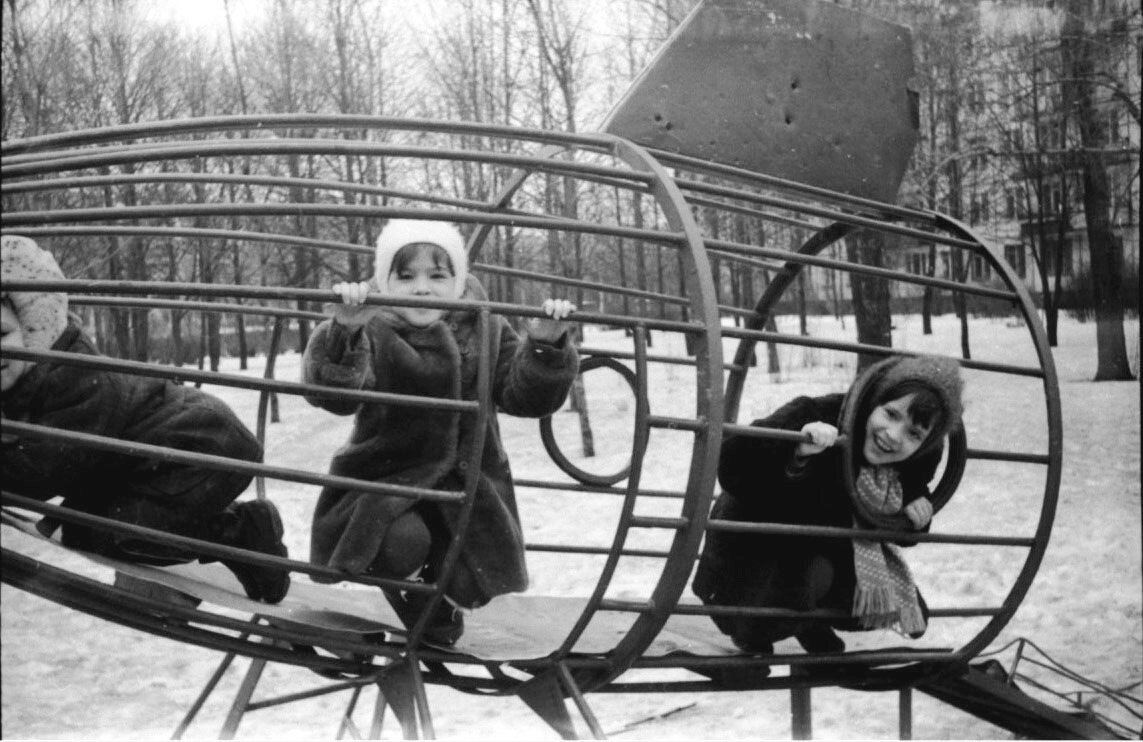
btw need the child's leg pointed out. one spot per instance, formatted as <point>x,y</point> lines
<point>404,548</point>
<point>408,546</point>
<point>798,582</point>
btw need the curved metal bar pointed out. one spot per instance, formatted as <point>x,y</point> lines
<point>709,401</point>
<point>1055,441</point>
<point>136,154</point>
<point>260,122</point>
<point>553,448</point>
<point>623,528</point>
<point>773,291</point>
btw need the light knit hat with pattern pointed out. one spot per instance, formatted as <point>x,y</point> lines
<point>42,314</point>
<point>401,232</point>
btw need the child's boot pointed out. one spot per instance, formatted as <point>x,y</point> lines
<point>819,638</point>
<point>254,525</point>
<point>444,626</point>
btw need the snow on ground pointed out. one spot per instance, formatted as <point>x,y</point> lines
<point>70,676</point>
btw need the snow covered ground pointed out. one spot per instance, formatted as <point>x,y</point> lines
<point>69,676</point>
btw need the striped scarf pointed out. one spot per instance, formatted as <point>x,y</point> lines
<point>886,594</point>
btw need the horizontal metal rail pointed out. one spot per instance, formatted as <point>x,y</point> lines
<point>270,181</point>
<point>788,529</point>
<point>868,270</point>
<point>223,463</point>
<point>12,221</point>
<point>832,215</point>
<point>1026,458</point>
<point>198,233</point>
<point>83,159</point>
<point>795,436</point>
<point>695,609</point>
<point>579,283</point>
<point>198,546</point>
<point>183,373</point>
<point>766,336</point>
<point>327,296</point>
<point>595,550</point>
<point>274,121</point>
<point>593,489</point>
<point>741,174</point>
<point>123,302</point>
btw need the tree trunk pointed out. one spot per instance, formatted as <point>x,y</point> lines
<point>870,296</point>
<point>1105,248</point>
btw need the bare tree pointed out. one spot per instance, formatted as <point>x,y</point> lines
<point>1081,45</point>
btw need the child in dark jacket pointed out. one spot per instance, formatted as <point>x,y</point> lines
<point>899,435</point>
<point>430,353</point>
<point>184,499</point>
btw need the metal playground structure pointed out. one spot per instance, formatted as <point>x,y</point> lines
<point>679,156</point>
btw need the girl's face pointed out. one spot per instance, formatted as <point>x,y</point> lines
<point>422,276</point>
<point>11,369</point>
<point>891,435</point>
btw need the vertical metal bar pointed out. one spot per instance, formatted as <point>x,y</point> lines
<point>347,717</point>
<point>905,713</point>
<point>206,691</point>
<point>801,711</point>
<point>421,699</point>
<point>242,699</point>
<point>264,397</point>
<point>378,715</point>
<point>580,702</point>
<point>1016,660</point>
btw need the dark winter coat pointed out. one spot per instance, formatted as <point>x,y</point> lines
<point>429,448</point>
<point>134,489</point>
<point>736,568</point>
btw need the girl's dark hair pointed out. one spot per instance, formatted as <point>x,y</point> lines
<point>926,408</point>
<point>408,253</point>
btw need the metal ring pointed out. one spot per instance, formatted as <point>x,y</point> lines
<point>553,448</point>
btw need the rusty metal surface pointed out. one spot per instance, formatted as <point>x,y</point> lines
<point>797,89</point>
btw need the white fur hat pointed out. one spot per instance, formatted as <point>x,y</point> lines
<point>42,315</point>
<point>400,232</point>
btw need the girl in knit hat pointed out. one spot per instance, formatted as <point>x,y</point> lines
<point>899,432</point>
<point>181,498</point>
<point>429,352</point>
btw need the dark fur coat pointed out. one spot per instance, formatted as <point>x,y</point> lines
<point>735,568</point>
<point>429,448</point>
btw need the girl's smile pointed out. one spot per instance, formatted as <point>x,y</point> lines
<point>422,276</point>
<point>891,435</point>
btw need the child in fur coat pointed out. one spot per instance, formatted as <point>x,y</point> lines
<point>429,352</point>
<point>898,440</point>
<point>181,498</point>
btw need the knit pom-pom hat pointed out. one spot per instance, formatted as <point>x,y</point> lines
<point>401,232</point>
<point>42,315</point>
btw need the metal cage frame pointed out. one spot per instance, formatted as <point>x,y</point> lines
<point>152,153</point>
